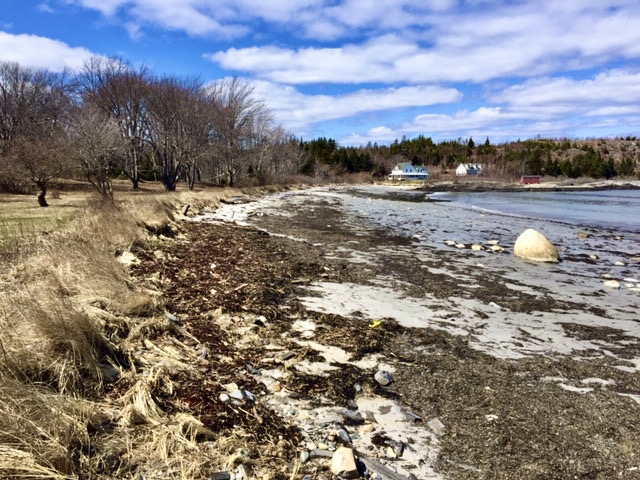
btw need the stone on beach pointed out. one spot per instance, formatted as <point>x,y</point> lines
<point>343,463</point>
<point>383,377</point>
<point>612,284</point>
<point>497,248</point>
<point>493,242</point>
<point>532,245</point>
<point>477,247</point>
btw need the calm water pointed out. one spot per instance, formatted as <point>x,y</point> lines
<point>615,209</point>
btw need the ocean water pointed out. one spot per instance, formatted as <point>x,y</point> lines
<point>612,209</point>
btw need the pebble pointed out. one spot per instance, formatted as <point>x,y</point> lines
<point>344,436</point>
<point>620,264</point>
<point>631,280</point>
<point>368,428</point>
<point>450,242</point>
<point>460,245</point>
<point>224,398</point>
<point>477,247</point>
<point>436,426</point>
<point>593,257</point>
<point>383,377</point>
<point>237,395</point>
<point>493,242</point>
<point>497,248</point>
<point>629,285</point>
<point>305,456</point>
<point>612,284</point>
<point>607,275</point>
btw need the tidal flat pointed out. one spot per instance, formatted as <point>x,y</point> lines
<point>515,369</point>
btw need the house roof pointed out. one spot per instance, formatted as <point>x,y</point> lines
<point>402,165</point>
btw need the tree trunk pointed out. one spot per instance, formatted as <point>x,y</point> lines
<point>42,201</point>
<point>135,183</point>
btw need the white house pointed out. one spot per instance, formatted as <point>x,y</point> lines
<point>406,171</point>
<point>469,169</point>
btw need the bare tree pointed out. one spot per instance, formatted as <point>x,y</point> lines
<point>98,146</point>
<point>121,92</point>
<point>40,159</point>
<point>180,128</point>
<point>236,111</point>
<point>34,111</point>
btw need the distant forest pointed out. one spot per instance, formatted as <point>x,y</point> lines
<point>596,158</point>
<point>110,120</point>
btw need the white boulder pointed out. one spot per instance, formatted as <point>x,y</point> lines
<point>532,245</point>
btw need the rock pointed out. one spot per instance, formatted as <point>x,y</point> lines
<point>383,377</point>
<point>250,396</point>
<point>532,245</point>
<point>172,318</point>
<point>220,476</point>
<point>305,456</point>
<point>237,395</point>
<point>353,416</point>
<point>631,280</point>
<point>612,284</point>
<point>412,417</point>
<point>583,235</point>
<point>593,257</point>
<point>367,428</point>
<point>477,247</point>
<point>224,398</point>
<point>497,248</point>
<point>318,452</point>
<point>451,243</point>
<point>607,275</point>
<point>391,453</point>
<point>328,418</point>
<point>460,245</point>
<point>619,264</point>
<point>344,436</point>
<point>629,285</point>
<point>343,463</point>
<point>436,426</point>
<point>493,242</point>
<point>323,446</point>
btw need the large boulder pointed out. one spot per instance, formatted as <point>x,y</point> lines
<point>532,245</point>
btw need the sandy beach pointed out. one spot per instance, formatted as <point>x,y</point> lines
<point>515,369</point>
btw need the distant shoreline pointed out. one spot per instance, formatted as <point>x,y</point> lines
<point>495,186</point>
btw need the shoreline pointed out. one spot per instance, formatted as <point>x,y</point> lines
<point>547,379</point>
<point>498,186</point>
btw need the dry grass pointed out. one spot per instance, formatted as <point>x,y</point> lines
<point>69,313</point>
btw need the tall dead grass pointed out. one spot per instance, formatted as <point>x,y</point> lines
<point>66,308</point>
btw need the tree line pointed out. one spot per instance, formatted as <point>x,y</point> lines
<point>113,120</point>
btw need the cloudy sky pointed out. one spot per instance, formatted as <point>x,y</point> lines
<point>370,70</point>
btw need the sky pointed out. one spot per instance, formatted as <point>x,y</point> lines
<point>370,70</point>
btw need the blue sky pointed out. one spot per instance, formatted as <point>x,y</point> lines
<point>370,70</point>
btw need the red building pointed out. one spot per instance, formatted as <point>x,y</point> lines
<point>530,179</point>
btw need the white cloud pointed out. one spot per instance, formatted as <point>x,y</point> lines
<point>297,111</point>
<point>41,52</point>
<point>45,8</point>
<point>619,87</point>
<point>527,40</point>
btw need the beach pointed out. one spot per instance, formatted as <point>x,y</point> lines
<point>501,368</point>
<point>498,351</point>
